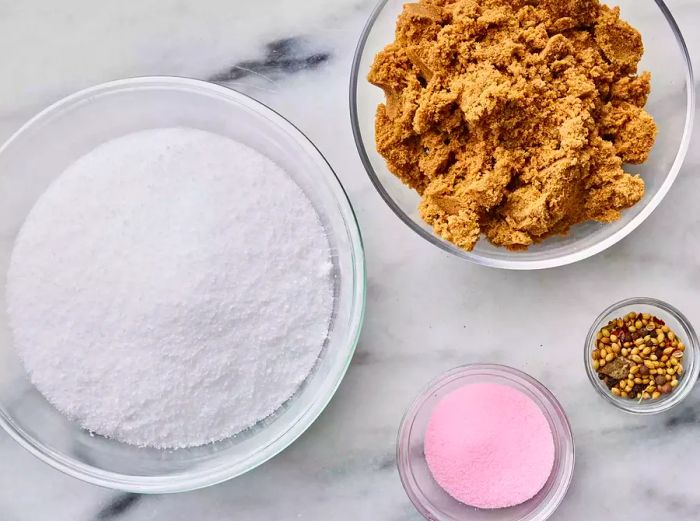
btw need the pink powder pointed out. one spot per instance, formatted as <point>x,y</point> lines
<point>489,446</point>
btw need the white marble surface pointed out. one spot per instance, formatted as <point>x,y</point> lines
<point>426,311</point>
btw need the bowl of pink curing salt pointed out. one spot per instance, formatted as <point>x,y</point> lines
<point>485,443</point>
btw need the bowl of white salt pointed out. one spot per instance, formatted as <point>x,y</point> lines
<point>182,284</point>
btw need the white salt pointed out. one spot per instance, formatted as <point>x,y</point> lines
<point>171,288</point>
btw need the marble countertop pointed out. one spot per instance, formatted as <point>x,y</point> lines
<point>451,313</point>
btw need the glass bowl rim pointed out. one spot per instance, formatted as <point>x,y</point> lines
<point>564,430</point>
<point>513,264</point>
<point>192,480</point>
<point>649,407</point>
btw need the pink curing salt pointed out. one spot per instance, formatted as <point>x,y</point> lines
<point>489,446</point>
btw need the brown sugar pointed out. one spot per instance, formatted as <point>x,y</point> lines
<point>513,118</point>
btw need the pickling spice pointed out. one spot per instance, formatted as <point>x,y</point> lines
<point>638,357</point>
<point>171,288</point>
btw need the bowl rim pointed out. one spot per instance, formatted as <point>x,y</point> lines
<point>692,368</point>
<point>514,264</point>
<point>192,480</point>
<point>563,431</point>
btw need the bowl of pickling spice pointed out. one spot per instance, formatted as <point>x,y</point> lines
<point>641,355</point>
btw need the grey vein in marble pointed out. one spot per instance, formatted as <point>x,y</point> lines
<point>286,56</point>
<point>117,506</point>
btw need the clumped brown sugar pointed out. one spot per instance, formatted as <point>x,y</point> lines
<point>513,118</point>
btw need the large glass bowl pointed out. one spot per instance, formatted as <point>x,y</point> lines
<point>672,103</point>
<point>40,151</point>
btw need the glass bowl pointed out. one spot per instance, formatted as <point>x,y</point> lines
<point>431,500</point>
<point>678,324</point>
<point>53,139</point>
<point>672,103</point>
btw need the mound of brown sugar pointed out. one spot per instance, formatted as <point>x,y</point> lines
<point>512,118</point>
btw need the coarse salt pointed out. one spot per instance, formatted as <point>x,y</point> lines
<point>171,288</point>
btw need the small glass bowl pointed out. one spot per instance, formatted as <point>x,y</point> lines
<point>678,323</point>
<point>430,499</point>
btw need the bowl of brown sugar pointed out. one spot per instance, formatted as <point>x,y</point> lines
<point>520,135</point>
